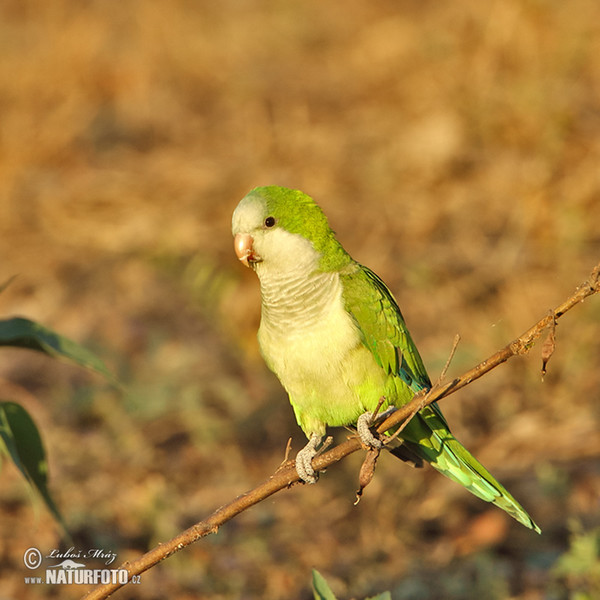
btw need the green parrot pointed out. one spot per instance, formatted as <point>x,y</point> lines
<point>333,334</point>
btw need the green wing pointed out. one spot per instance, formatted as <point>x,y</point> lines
<point>384,333</point>
<point>382,327</point>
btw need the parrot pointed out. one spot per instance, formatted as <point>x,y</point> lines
<point>333,334</point>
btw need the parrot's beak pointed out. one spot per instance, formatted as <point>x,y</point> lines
<point>244,249</point>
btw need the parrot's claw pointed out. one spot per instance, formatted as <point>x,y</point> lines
<point>364,432</point>
<point>304,458</point>
<point>363,428</point>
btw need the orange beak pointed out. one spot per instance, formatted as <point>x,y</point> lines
<point>243,248</point>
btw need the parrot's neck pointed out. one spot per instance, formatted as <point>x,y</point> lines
<point>297,300</point>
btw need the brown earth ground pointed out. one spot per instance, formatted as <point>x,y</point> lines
<point>456,150</point>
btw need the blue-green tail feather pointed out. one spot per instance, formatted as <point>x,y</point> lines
<point>427,435</point>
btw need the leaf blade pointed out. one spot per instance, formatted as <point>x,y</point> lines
<point>321,589</point>
<point>24,445</point>
<point>24,333</point>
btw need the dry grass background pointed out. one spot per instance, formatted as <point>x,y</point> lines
<point>456,150</point>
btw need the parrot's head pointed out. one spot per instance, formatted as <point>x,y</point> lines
<point>277,229</point>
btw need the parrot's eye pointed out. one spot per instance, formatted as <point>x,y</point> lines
<point>269,221</point>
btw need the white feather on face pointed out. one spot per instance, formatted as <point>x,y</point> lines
<point>280,253</point>
<point>248,215</point>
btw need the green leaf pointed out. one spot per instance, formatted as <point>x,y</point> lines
<point>24,333</point>
<point>321,589</point>
<point>382,596</point>
<point>24,445</point>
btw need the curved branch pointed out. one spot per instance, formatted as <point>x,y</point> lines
<point>285,476</point>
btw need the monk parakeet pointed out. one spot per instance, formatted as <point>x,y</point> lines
<point>333,334</point>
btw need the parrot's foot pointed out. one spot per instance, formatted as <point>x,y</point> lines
<point>363,425</point>
<point>364,432</point>
<point>304,458</point>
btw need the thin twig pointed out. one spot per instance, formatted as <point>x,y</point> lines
<point>286,475</point>
<point>288,449</point>
<point>377,408</point>
<point>548,346</point>
<point>450,357</point>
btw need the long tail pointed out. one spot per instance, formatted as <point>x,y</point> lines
<point>427,435</point>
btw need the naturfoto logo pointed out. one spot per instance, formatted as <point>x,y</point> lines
<point>73,569</point>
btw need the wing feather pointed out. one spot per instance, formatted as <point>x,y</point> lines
<point>382,327</point>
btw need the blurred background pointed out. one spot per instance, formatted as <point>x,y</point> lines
<point>455,148</point>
